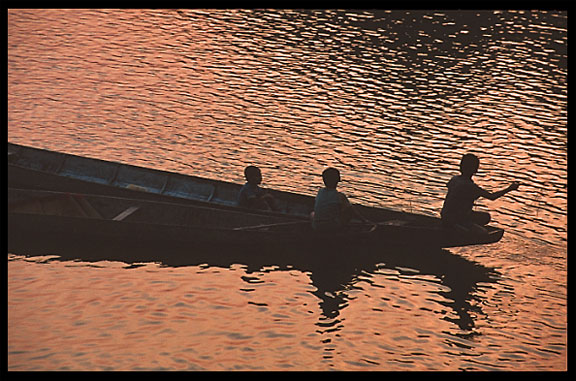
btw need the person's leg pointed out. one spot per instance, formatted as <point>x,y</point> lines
<point>480,218</point>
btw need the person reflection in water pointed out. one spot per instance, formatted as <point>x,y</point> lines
<point>332,209</point>
<point>251,195</point>
<point>463,192</point>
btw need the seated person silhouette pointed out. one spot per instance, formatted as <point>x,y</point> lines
<point>332,210</point>
<point>251,195</point>
<point>462,193</point>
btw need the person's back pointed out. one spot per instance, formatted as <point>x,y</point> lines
<point>248,195</point>
<point>251,195</point>
<point>328,210</point>
<point>331,208</point>
<point>463,192</point>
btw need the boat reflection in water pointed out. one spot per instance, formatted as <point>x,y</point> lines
<point>334,270</point>
<point>459,276</point>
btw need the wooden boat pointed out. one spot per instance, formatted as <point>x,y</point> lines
<point>49,170</point>
<point>52,218</point>
<point>43,169</point>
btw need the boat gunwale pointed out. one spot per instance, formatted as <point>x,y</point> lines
<point>415,229</point>
<point>292,198</point>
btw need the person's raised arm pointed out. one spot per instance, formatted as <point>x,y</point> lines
<point>495,195</point>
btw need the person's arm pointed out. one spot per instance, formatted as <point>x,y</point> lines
<point>351,210</point>
<point>359,215</point>
<point>496,195</point>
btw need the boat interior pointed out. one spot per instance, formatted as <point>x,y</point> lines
<point>132,210</point>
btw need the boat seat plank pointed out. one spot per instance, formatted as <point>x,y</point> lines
<point>274,225</point>
<point>394,223</point>
<point>126,213</point>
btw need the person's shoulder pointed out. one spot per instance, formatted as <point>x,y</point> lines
<point>471,186</point>
<point>453,180</point>
<point>461,179</point>
<point>342,196</point>
<point>327,192</point>
<point>476,186</point>
<point>249,188</point>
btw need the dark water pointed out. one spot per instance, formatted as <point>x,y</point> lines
<point>391,98</point>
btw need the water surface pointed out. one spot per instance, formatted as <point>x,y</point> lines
<point>391,98</point>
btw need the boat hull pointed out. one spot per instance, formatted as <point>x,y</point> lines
<point>177,210</point>
<point>43,220</point>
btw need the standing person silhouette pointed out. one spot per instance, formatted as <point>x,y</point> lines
<point>463,192</point>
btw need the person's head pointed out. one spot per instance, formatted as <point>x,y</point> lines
<point>253,174</point>
<point>469,164</point>
<point>331,177</point>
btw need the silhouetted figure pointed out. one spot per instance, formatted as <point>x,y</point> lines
<point>332,210</point>
<point>251,195</point>
<point>463,192</point>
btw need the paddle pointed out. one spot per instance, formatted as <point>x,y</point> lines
<point>373,225</point>
<point>266,226</point>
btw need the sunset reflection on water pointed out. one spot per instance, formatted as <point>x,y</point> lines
<point>391,98</point>
<point>211,98</point>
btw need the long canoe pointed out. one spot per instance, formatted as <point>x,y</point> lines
<point>48,218</point>
<point>49,170</point>
<point>33,168</point>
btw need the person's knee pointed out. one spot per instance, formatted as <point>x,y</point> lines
<point>482,218</point>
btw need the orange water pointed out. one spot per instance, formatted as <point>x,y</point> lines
<point>393,99</point>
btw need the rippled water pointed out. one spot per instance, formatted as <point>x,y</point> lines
<point>392,98</point>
